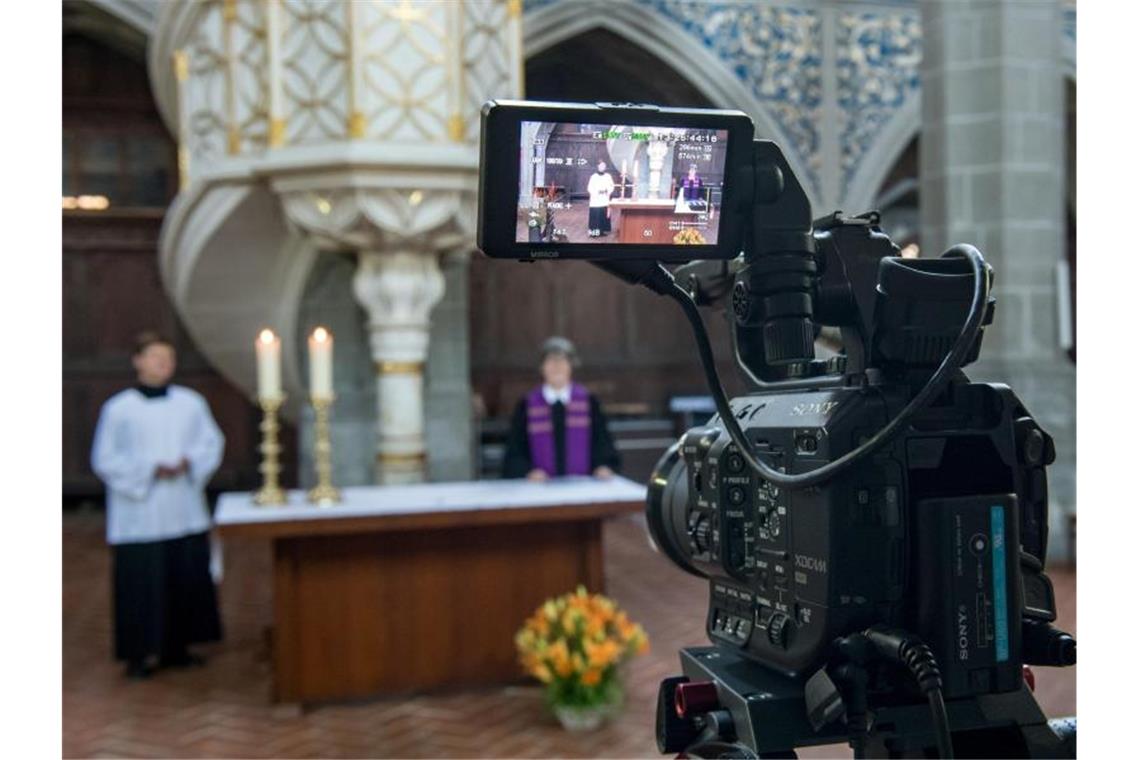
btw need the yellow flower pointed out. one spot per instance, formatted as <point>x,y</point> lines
<point>591,677</point>
<point>604,654</point>
<point>638,641</point>
<point>542,673</point>
<point>539,624</point>
<point>559,656</point>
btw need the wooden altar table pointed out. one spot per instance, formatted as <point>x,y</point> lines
<point>406,588</point>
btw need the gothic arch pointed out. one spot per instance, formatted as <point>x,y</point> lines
<point>860,193</point>
<point>878,161</point>
<point>547,26</point>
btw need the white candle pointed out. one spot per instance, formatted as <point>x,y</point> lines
<point>268,348</point>
<point>320,364</point>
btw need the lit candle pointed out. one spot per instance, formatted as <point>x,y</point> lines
<point>268,365</point>
<point>320,364</point>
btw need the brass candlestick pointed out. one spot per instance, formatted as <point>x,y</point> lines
<point>270,493</point>
<point>324,494</point>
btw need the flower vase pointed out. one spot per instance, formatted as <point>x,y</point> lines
<point>582,718</point>
<point>577,719</point>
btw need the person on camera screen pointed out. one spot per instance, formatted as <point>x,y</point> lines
<point>558,428</point>
<point>600,187</point>
<point>691,185</point>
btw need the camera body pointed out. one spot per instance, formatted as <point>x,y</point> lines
<point>872,524</point>
<point>924,537</point>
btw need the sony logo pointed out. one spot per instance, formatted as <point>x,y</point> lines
<point>544,254</point>
<point>811,563</point>
<point>963,635</point>
<point>814,407</point>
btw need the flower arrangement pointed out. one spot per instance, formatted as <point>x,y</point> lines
<point>575,644</point>
<point>689,236</point>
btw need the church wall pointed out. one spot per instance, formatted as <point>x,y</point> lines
<point>636,348</point>
<point>111,285</point>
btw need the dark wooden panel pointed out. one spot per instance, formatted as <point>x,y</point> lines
<point>593,307</point>
<point>111,284</point>
<point>364,614</point>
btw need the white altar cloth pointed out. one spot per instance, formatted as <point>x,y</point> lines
<point>379,501</point>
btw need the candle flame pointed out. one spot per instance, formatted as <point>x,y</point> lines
<point>320,335</point>
<point>266,336</point>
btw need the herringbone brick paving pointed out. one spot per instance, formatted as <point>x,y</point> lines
<point>223,710</point>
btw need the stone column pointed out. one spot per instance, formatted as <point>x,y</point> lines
<point>656,151</point>
<point>992,173</point>
<point>398,290</point>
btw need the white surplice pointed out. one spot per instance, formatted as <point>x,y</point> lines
<point>600,187</point>
<point>134,436</point>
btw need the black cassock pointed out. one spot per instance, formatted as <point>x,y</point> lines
<point>164,598</point>
<point>517,462</point>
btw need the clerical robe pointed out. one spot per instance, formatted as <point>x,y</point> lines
<point>600,187</point>
<point>164,595</point>
<point>692,187</point>
<point>560,432</point>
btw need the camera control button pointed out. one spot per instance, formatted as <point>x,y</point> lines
<point>778,630</point>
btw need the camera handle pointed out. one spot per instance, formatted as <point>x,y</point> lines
<point>656,277</point>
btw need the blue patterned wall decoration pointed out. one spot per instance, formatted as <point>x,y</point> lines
<point>877,62</point>
<point>774,51</point>
<point>777,52</point>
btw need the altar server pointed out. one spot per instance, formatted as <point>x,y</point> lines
<point>558,428</point>
<point>600,187</point>
<point>156,447</point>
<point>692,185</point>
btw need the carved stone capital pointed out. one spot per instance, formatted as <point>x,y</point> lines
<point>398,290</point>
<point>382,219</point>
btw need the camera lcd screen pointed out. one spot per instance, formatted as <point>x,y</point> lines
<point>614,184</point>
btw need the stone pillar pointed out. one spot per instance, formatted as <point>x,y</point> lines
<point>992,174</point>
<point>398,290</point>
<point>656,151</point>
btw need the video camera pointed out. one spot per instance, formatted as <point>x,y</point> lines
<point>872,525</point>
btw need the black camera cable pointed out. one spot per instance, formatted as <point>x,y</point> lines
<point>911,652</point>
<point>657,278</point>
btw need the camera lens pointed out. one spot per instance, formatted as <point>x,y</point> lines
<point>666,509</point>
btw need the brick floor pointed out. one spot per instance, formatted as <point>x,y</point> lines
<point>223,709</point>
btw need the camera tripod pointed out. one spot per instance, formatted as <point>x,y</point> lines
<point>728,706</point>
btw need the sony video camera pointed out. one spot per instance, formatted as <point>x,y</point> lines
<point>872,524</point>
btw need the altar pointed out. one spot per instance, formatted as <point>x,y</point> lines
<point>407,588</point>
<point>647,220</point>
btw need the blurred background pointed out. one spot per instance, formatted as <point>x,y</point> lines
<point>230,165</point>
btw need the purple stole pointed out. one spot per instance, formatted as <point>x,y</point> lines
<point>540,431</point>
